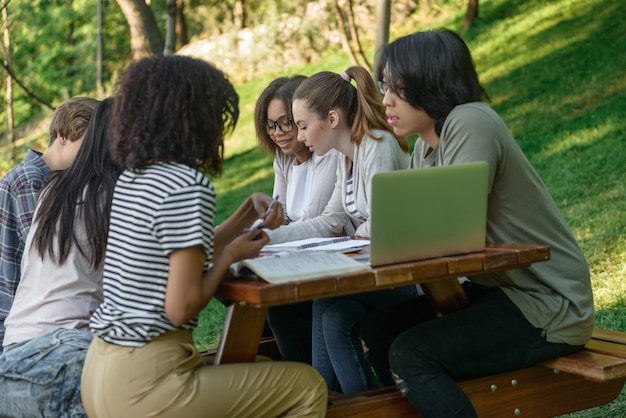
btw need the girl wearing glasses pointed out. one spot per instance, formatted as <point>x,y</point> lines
<point>303,181</point>
<point>343,112</point>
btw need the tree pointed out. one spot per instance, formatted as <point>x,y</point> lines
<point>383,15</point>
<point>145,38</point>
<point>182,38</point>
<point>471,14</point>
<point>170,28</point>
<point>100,19</point>
<point>7,53</point>
<point>349,33</point>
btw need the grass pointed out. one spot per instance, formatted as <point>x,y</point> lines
<point>555,72</point>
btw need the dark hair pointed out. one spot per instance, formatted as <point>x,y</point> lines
<point>432,70</point>
<point>282,89</point>
<point>172,108</point>
<point>82,193</point>
<point>359,104</point>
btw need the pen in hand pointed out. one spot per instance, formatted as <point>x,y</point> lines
<point>258,224</point>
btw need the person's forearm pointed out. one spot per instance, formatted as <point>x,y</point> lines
<point>228,230</point>
<point>214,275</point>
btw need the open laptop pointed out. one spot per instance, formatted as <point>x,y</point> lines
<point>428,212</point>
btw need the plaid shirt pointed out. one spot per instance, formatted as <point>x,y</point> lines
<point>18,194</point>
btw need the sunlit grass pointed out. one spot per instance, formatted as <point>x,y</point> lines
<point>555,72</point>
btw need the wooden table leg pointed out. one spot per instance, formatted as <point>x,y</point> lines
<point>243,326</point>
<point>446,295</point>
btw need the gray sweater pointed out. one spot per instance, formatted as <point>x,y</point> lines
<point>554,295</point>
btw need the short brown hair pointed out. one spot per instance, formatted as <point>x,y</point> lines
<point>71,118</point>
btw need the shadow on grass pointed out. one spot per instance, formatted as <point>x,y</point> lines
<point>569,81</point>
<point>562,94</point>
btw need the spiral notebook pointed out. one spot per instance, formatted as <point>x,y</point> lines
<point>428,212</point>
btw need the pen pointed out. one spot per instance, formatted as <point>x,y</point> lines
<point>258,224</point>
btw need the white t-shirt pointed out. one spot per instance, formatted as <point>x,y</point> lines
<point>51,296</point>
<point>299,190</point>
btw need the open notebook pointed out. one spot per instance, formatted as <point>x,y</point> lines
<point>428,212</point>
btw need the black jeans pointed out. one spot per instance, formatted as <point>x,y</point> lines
<point>381,327</point>
<point>291,326</point>
<point>490,336</point>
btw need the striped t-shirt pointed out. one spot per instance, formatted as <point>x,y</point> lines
<point>162,208</point>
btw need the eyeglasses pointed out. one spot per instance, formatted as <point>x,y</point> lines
<point>284,123</point>
<point>384,88</point>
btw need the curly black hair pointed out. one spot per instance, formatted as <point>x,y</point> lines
<point>172,108</point>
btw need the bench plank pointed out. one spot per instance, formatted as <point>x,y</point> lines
<point>592,377</point>
<point>538,392</point>
<point>533,392</point>
<point>591,365</point>
<point>609,336</point>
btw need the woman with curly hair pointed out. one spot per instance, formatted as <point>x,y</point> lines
<point>165,260</point>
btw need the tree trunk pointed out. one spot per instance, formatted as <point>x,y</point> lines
<point>355,38</point>
<point>239,16</point>
<point>10,118</point>
<point>100,18</point>
<point>71,42</point>
<point>170,32</point>
<point>343,32</point>
<point>471,14</point>
<point>383,13</point>
<point>182,38</point>
<point>145,38</point>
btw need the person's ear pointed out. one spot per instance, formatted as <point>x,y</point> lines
<point>333,118</point>
<point>61,140</point>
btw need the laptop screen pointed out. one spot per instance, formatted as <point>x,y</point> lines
<point>428,212</point>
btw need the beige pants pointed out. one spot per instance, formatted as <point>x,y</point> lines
<point>166,378</point>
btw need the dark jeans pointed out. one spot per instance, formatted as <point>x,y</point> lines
<point>291,326</point>
<point>490,336</point>
<point>337,349</point>
<point>381,327</point>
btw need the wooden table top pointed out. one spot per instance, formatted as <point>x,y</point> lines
<point>495,257</point>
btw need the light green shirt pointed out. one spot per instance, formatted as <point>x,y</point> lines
<point>554,295</point>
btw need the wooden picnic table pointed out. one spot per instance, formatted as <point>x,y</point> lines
<point>591,377</point>
<point>248,298</point>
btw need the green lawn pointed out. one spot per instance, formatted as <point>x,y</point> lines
<point>555,72</point>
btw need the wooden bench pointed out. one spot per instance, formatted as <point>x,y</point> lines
<point>589,378</point>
